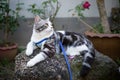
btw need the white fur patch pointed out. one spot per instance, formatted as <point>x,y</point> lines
<point>76,50</point>
<point>39,57</point>
<point>29,49</point>
<point>36,37</point>
<point>47,32</point>
<point>63,32</point>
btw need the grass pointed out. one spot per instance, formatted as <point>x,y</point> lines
<point>118,61</point>
<point>7,70</point>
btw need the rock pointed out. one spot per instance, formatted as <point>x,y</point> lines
<point>50,69</point>
<point>55,68</point>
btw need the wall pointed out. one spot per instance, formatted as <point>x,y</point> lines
<point>68,4</point>
<point>23,33</point>
<point>64,20</point>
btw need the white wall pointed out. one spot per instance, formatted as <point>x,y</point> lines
<point>68,4</point>
<point>92,12</point>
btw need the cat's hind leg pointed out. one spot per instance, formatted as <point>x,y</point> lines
<point>88,58</point>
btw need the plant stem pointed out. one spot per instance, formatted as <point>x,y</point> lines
<point>57,9</point>
<point>6,32</point>
<point>88,25</point>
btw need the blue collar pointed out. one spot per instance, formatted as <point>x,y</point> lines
<point>39,42</point>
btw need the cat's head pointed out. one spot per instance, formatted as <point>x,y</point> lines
<point>42,26</point>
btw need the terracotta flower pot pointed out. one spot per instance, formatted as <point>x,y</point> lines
<point>108,44</point>
<point>8,53</point>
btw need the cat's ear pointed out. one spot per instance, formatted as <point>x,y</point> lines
<point>37,19</point>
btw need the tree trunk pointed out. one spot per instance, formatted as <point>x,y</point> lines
<point>103,16</point>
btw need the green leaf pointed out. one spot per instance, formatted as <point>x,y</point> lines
<point>54,1</point>
<point>18,4</point>
<point>99,27</point>
<point>45,3</point>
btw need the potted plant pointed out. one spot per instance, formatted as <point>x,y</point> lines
<point>105,42</point>
<point>8,24</point>
<point>115,19</point>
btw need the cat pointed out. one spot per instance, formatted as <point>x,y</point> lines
<point>74,44</point>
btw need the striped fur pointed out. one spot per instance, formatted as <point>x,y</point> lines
<point>74,44</point>
<point>77,44</point>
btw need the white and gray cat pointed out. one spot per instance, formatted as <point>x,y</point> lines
<point>74,44</point>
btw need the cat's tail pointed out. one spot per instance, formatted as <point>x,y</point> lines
<point>88,59</point>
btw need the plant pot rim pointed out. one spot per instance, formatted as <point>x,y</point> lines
<point>9,47</point>
<point>101,35</point>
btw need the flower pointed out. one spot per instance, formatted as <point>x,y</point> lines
<point>78,10</point>
<point>86,5</point>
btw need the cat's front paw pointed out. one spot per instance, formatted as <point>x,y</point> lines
<point>30,63</point>
<point>29,52</point>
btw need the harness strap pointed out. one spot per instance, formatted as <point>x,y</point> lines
<point>38,44</point>
<point>41,41</point>
<point>66,59</point>
<point>63,50</point>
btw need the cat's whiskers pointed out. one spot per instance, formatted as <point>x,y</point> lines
<point>37,37</point>
<point>74,44</point>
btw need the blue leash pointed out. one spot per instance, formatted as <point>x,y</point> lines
<point>65,56</point>
<point>66,59</point>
